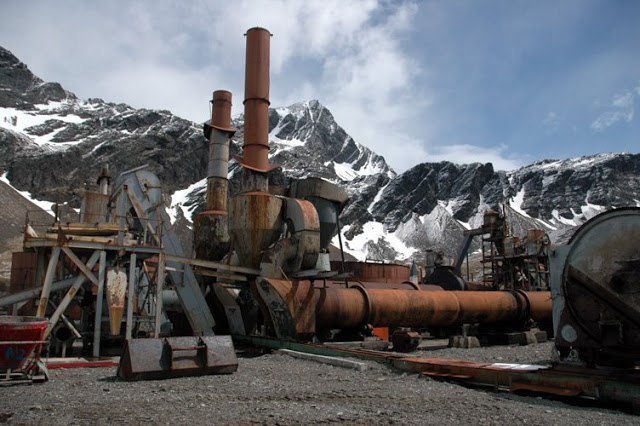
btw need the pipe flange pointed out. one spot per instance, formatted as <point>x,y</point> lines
<point>367,299</point>
<point>524,305</point>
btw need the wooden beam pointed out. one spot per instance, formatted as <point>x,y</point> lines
<point>71,255</point>
<point>48,280</point>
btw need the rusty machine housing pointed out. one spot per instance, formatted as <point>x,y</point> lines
<point>595,282</point>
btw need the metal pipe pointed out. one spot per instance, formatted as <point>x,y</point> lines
<point>104,180</point>
<point>32,293</point>
<point>335,307</point>
<point>48,280</point>
<point>212,230</point>
<point>219,136</point>
<point>133,278</point>
<point>402,308</point>
<point>256,101</point>
<point>97,322</point>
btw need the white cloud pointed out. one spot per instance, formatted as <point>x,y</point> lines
<point>621,108</point>
<point>466,154</point>
<point>399,76</point>
<point>551,120</point>
<point>172,55</point>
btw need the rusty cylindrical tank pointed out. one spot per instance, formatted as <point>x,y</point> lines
<point>255,224</point>
<point>310,308</point>
<point>211,233</point>
<point>405,308</point>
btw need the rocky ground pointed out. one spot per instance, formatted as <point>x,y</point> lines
<point>278,389</point>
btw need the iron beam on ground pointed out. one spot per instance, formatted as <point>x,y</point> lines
<point>604,385</point>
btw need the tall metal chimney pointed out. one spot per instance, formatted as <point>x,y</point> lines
<point>255,220</point>
<point>256,110</point>
<point>212,229</point>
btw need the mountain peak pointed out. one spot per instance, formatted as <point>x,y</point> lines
<point>21,89</point>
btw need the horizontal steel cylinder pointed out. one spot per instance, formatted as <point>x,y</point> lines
<point>306,308</point>
<point>338,308</point>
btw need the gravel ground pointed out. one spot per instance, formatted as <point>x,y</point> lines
<point>278,389</point>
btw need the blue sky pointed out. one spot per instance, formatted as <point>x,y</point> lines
<point>509,82</point>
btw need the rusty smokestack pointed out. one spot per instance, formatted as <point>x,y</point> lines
<point>256,108</point>
<point>255,221</point>
<point>104,180</point>
<point>218,168</point>
<point>212,229</point>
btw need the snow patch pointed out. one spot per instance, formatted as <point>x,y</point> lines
<point>377,197</point>
<point>563,220</point>
<point>516,203</point>
<point>18,121</point>
<point>179,199</point>
<point>44,205</point>
<point>372,231</point>
<point>344,171</point>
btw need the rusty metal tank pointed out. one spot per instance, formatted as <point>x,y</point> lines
<point>298,309</point>
<point>20,339</point>
<point>595,282</point>
<point>255,223</point>
<point>374,271</point>
<point>94,207</point>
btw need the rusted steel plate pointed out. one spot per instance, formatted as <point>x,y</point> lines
<point>150,359</point>
<point>375,272</point>
<point>23,271</point>
<point>94,208</point>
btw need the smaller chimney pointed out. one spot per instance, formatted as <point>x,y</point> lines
<point>104,180</point>
<point>212,228</point>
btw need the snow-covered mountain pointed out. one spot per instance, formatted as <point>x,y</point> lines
<point>53,145</point>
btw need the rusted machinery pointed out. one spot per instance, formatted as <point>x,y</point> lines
<point>287,239</point>
<point>508,262</point>
<point>262,258</point>
<point>299,310</point>
<point>86,263</point>
<point>595,282</point>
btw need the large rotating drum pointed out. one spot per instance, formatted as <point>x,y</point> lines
<point>595,282</point>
